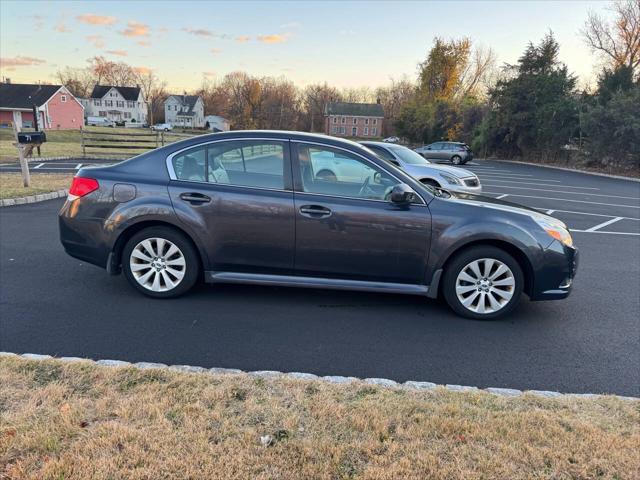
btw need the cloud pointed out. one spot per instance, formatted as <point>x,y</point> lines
<point>215,51</point>
<point>96,40</point>
<point>143,70</point>
<point>61,28</point>
<point>209,74</point>
<point>143,43</point>
<point>136,29</point>
<point>243,39</point>
<point>93,19</point>
<point>119,53</point>
<point>274,38</point>
<point>11,62</point>
<point>200,32</point>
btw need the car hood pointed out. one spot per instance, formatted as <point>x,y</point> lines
<point>454,171</point>
<point>502,205</point>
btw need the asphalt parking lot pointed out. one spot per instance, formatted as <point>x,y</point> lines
<point>53,304</point>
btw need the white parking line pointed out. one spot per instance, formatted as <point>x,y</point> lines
<point>603,224</point>
<point>502,196</point>
<point>507,175</point>
<point>78,166</point>
<point>568,193</point>
<point>586,213</point>
<point>567,200</point>
<point>39,165</point>
<point>541,184</point>
<point>610,233</point>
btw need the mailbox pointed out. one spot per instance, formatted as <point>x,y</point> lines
<point>31,137</point>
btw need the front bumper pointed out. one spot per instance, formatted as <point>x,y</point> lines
<point>553,279</point>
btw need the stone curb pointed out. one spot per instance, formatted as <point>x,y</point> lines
<point>587,172</point>
<point>335,379</point>
<point>40,197</point>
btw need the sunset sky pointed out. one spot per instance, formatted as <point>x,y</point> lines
<point>347,44</point>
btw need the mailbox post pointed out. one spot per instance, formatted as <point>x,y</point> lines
<point>25,143</point>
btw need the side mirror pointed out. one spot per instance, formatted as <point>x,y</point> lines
<point>402,194</point>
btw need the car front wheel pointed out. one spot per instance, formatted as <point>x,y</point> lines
<point>160,262</point>
<point>456,160</point>
<point>483,283</point>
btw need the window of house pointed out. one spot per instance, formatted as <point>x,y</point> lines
<point>374,131</point>
<point>335,119</point>
<point>334,130</point>
<point>343,119</point>
<point>102,113</point>
<point>249,163</point>
<point>127,114</point>
<point>355,121</point>
<point>131,104</point>
<point>366,121</point>
<point>108,103</point>
<point>329,171</point>
<point>375,121</point>
<point>366,131</point>
<point>342,130</point>
<point>97,103</point>
<point>119,103</point>
<point>63,98</point>
<point>354,132</point>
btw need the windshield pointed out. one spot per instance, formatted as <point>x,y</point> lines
<point>409,156</point>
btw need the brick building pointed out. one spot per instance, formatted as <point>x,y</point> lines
<point>344,119</point>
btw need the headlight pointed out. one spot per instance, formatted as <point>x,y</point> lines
<point>450,179</point>
<point>556,229</point>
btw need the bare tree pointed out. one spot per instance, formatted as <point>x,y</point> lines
<point>617,41</point>
<point>79,81</point>
<point>155,92</point>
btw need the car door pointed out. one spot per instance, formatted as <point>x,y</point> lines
<point>346,229</point>
<point>237,197</point>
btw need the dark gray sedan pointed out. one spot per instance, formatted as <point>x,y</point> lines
<point>258,207</point>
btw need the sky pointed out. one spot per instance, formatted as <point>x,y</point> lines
<point>345,43</point>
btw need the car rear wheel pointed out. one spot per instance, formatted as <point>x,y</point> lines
<point>456,160</point>
<point>160,262</point>
<point>483,283</point>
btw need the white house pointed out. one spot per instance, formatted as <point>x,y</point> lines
<point>184,111</point>
<point>216,123</point>
<point>120,104</point>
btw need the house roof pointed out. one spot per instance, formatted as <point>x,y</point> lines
<point>129,93</point>
<point>24,95</point>
<point>355,109</point>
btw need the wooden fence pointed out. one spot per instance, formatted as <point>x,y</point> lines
<point>124,144</point>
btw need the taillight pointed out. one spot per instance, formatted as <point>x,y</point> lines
<point>81,186</point>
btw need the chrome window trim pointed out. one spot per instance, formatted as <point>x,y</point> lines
<point>366,160</point>
<point>172,173</point>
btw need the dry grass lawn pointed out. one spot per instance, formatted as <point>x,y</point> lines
<point>82,421</point>
<point>11,184</point>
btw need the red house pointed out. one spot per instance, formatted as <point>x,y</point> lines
<point>343,119</point>
<point>57,108</point>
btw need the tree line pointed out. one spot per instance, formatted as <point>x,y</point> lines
<point>532,109</point>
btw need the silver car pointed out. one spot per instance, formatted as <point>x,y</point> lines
<point>454,152</point>
<point>449,178</point>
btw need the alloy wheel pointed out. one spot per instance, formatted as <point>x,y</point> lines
<point>485,285</point>
<point>157,264</point>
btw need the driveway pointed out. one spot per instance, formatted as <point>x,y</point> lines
<point>53,304</point>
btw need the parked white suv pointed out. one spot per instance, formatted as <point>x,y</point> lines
<point>164,127</point>
<point>450,178</point>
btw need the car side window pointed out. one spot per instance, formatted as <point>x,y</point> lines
<point>437,146</point>
<point>329,171</point>
<point>249,163</point>
<point>384,154</point>
<point>190,165</point>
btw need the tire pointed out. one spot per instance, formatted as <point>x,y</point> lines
<point>181,268</point>
<point>461,267</point>
<point>456,160</point>
<point>327,175</point>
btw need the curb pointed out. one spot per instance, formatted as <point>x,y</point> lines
<point>335,379</point>
<point>40,197</point>
<point>586,172</point>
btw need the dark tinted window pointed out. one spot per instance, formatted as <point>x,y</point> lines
<point>247,163</point>
<point>382,153</point>
<point>190,165</point>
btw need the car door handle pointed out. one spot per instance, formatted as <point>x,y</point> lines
<point>315,211</point>
<point>195,198</point>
